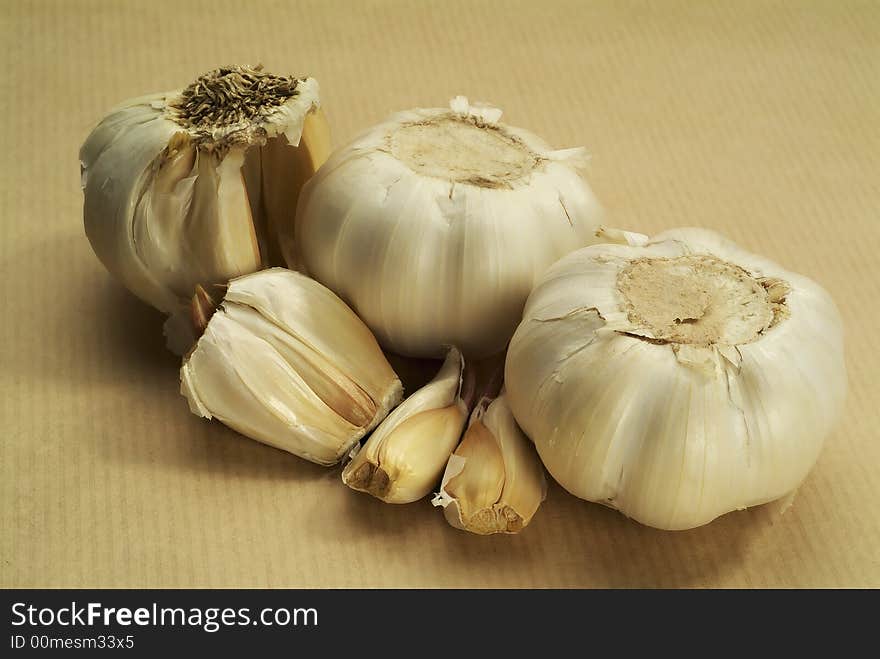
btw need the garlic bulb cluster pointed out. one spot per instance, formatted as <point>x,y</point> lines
<point>404,458</point>
<point>286,362</point>
<point>196,186</point>
<point>674,379</point>
<point>494,481</point>
<point>678,378</point>
<point>435,225</point>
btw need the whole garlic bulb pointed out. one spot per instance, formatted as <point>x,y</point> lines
<point>677,379</point>
<point>286,362</point>
<point>435,224</point>
<point>199,185</point>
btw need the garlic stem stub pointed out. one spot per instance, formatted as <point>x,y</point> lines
<point>403,459</point>
<point>494,481</point>
<point>435,224</point>
<point>199,185</point>
<point>678,378</point>
<point>285,362</point>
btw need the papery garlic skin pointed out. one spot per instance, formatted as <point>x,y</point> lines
<point>404,458</point>
<point>285,361</point>
<point>435,224</point>
<point>678,378</point>
<point>196,186</point>
<point>494,481</point>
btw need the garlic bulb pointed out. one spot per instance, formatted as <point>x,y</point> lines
<point>435,224</point>
<point>403,460</point>
<point>286,362</point>
<point>677,379</point>
<point>494,481</point>
<point>200,185</point>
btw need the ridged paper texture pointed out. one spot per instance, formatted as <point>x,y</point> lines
<point>756,119</point>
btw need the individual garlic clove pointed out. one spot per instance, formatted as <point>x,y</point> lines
<point>281,194</point>
<point>474,479</point>
<point>213,233</point>
<point>404,458</point>
<point>174,183</point>
<point>327,327</point>
<point>219,237</point>
<point>266,380</point>
<point>494,481</point>
<point>324,377</point>
<point>239,379</point>
<point>677,379</point>
<point>315,141</point>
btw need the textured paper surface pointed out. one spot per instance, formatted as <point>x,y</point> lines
<point>758,119</point>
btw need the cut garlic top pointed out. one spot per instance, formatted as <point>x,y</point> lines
<point>435,224</point>
<point>678,378</point>
<point>196,186</point>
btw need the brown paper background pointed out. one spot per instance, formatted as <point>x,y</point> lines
<point>758,119</point>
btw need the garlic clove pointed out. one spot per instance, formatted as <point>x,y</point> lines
<point>238,252</point>
<point>281,193</point>
<point>264,380</point>
<point>330,383</point>
<point>494,481</point>
<point>219,238</point>
<point>407,464</point>
<point>216,238</point>
<point>474,477</point>
<point>315,142</point>
<point>330,326</point>
<point>405,456</point>
<point>241,380</point>
<point>170,196</point>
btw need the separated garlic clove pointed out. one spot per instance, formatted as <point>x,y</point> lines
<point>677,378</point>
<point>494,481</point>
<point>286,362</point>
<point>196,186</point>
<point>280,198</point>
<point>435,225</point>
<point>404,458</point>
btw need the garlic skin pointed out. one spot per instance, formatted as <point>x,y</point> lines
<point>196,186</point>
<point>435,224</point>
<point>404,458</point>
<point>678,378</point>
<point>286,362</point>
<point>494,481</point>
